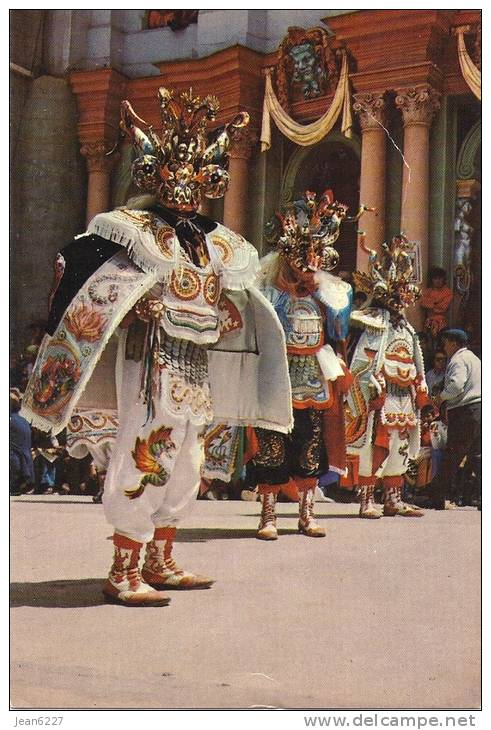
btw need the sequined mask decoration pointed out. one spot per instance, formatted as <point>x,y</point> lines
<point>179,166</point>
<point>390,278</point>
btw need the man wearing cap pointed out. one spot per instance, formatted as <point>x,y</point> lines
<point>461,399</point>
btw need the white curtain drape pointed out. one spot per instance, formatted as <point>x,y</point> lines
<point>470,72</point>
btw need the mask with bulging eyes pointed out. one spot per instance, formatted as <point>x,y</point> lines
<point>178,167</point>
<point>390,279</point>
<point>305,233</point>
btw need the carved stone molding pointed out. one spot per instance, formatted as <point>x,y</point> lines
<point>96,156</point>
<point>243,144</point>
<point>371,110</point>
<point>307,66</point>
<point>418,104</point>
<point>464,235</point>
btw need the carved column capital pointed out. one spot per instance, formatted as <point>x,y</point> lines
<point>243,144</point>
<point>371,110</point>
<point>96,156</point>
<point>468,188</point>
<point>418,105</point>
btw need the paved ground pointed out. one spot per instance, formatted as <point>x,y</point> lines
<point>378,614</point>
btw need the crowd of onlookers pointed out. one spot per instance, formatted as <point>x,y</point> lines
<point>40,464</point>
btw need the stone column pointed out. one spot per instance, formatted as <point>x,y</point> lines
<point>371,110</point>
<point>99,93</point>
<point>235,209</point>
<point>418,106</point>
<point>98,183</point>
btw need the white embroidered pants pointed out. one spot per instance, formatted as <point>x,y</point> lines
<point>154,472</point>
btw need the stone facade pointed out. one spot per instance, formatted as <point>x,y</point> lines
<point>71,69</point>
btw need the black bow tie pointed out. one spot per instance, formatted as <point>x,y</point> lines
<point>190,231</point>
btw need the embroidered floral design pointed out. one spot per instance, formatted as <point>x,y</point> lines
<point>217,445</point>
<point>224,248</point>
<point>399,367</point>
<point>271,450</point>
<point>85,323</point>
<point>229,316</point>
<point>146,455</point>
<point>211,289</point>
<point>56,381</point>
<point>98,296</point>
<point>188,397</point>
<point>163,237</point>
<point>404,448</point>
<point>309,388</point>
<point>310,456</point>
<point>186,284</point>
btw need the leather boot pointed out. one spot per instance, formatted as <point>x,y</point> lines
<point>124,584</point>
<point>393,504</point>
<point>368,508</point>
<point>267,524</point>
<point>306,521</point>
<point>160,569</point>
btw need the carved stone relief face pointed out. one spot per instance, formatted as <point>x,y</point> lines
<point>306,69</point>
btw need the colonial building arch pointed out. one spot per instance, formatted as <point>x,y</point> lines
<point>298,160</point>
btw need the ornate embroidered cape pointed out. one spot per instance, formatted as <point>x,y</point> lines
<point>76,353</point>
<point>388,372</point>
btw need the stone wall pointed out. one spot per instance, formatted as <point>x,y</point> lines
<point>86,39</point>
<point>48,201</point>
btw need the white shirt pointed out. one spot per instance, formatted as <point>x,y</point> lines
<point>462,379</point>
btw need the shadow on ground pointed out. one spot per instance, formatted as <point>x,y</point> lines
<point>61,500</point>
<point>58,593</point>
<point>203,534</point>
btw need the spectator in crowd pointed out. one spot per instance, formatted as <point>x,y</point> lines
<point>21,468</point>
<point>46,453</point>
<point>423,470</point>
<point>29,359</point>
<point>461,400</point>
<point>15,370</point>
<point>435,301</point>
<point>436,376</point>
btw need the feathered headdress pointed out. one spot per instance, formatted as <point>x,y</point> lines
<point>178,166</point>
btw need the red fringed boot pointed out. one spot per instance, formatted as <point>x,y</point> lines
<point>368,508</point>
<point>393,504</point>
<point>160,569</point>
<point>124,584</point>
